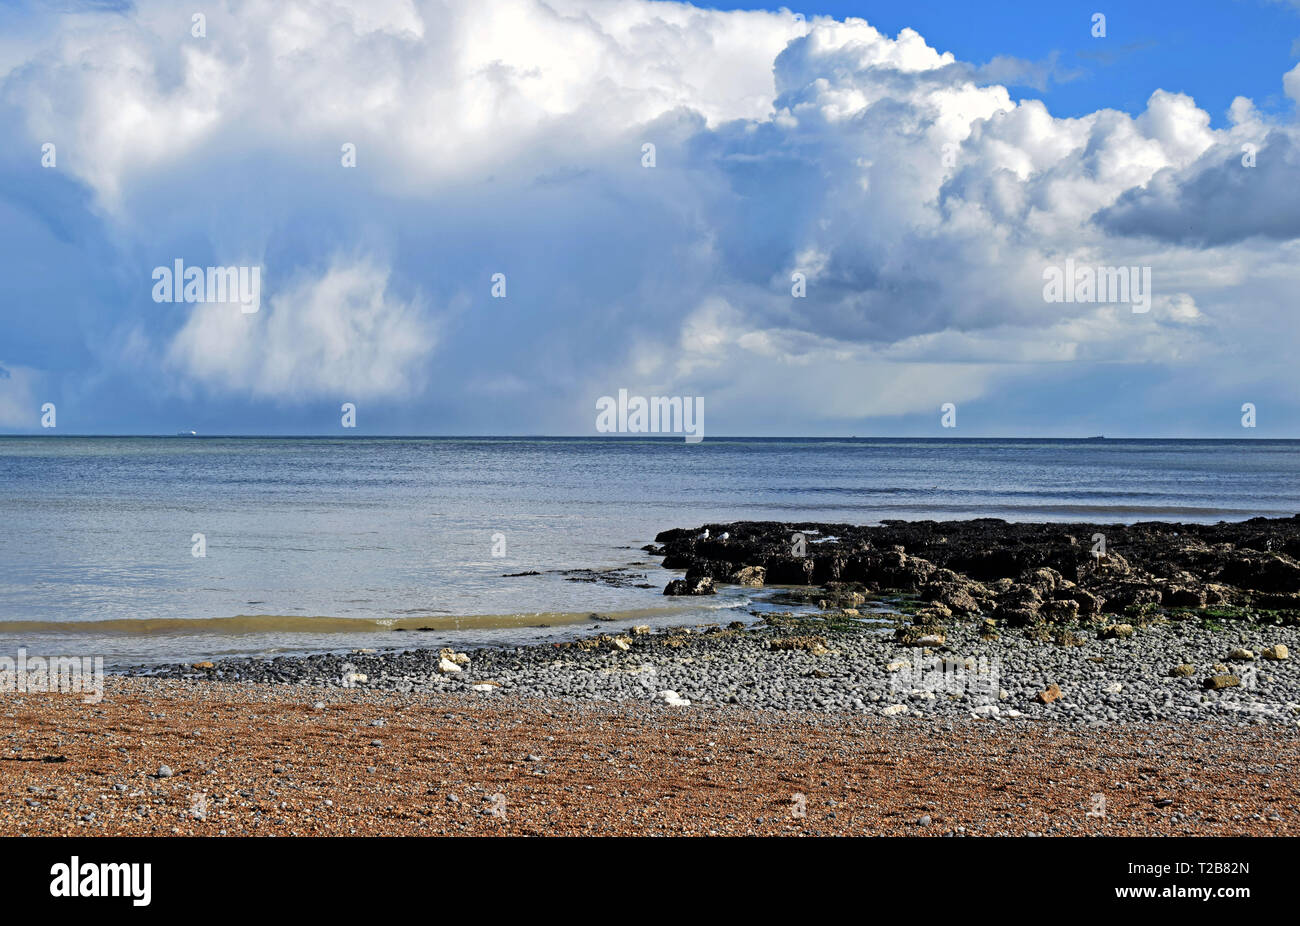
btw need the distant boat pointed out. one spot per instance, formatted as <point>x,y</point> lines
<point>187,433</point>
<point>1098,437</point>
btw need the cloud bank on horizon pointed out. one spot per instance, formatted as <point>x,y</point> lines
<point>916,199</point>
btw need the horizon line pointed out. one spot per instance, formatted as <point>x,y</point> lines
<point>663,436</point>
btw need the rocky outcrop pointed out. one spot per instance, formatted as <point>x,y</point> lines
<point>1021,575</point>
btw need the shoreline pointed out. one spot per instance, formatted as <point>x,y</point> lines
<point>1188,623</point>
<point>836,664</point>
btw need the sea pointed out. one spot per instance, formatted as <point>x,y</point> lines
<point>149,550</point>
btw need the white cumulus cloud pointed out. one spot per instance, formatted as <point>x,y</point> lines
<point>341,333</point>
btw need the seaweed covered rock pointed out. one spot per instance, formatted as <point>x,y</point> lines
<point>1020,574</point>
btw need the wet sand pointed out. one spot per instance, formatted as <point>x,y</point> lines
<point>252,759</point>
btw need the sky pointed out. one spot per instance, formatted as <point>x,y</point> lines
<point>847,221</point>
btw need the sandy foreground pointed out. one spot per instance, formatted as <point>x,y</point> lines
<point>250,759</point>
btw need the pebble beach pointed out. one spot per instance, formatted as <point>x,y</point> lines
<point>161,757</point>
<point>810,663</point>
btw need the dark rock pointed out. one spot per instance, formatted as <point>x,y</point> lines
<point>691,586</point>
<point>1060,611</point>
<point>1089,604</point>
<point>1269,572</point>
<point>1021,574</point>
<point>1183,597</point>
<point>750,576</point>
<point>789,570</point>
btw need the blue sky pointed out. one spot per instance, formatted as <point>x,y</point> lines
<point>1213,50</point>
<point>920,171</point>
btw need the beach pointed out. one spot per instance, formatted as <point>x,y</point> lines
<point>253,759</point>
<point>887,694</point>
<point>815,661</point>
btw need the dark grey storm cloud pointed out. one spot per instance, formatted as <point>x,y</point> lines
<point>1218,200</point>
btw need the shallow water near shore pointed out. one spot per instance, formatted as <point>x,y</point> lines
<point>326,544</point>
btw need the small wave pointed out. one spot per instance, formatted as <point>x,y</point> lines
<point>728,605</point>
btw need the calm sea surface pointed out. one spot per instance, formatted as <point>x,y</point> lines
<point>333,544</point>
